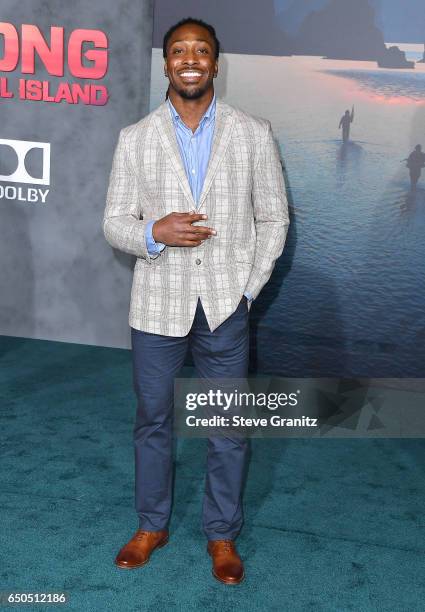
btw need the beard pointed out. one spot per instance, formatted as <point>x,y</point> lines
<point>192,93</point>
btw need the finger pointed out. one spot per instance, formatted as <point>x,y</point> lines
<point>192,213</point>
<point>195,237</point>
<point>190,243</point>
<point>201,229</point>
<point>202,232</point>
<point>196,216</point>
<point>198,228</point>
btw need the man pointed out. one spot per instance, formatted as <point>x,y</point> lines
<point>193,159</point>
<point>415,163</point>
<point>345,122</point>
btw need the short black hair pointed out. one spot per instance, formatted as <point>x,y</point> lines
<point>198,22</point>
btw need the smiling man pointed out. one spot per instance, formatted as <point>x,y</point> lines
<point>196,193</point>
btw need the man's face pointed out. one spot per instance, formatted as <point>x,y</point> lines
<point>190,63</point>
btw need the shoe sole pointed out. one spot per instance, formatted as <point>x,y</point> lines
<point>130,567</point>
<point>228,581</point>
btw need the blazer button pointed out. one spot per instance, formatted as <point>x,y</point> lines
<point>198,261</point>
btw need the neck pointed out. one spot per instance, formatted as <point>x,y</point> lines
<point>191,111</point>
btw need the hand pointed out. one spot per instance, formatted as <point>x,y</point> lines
<point>176,229</point>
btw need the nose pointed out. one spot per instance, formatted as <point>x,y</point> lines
<point>190,57</point>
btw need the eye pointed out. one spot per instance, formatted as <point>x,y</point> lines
<point>176,50</point>
<point>204,50</point>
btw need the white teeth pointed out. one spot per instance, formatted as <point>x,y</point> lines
<point>190,74</point>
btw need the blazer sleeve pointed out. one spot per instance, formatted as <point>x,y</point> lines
<point>270,206</point>
<point>123,223</point>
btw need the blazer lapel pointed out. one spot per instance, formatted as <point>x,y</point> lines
<point>224,120</point>
<point>167,136</point>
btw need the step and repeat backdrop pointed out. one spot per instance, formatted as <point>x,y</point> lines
<point>342,83</point>
<point>72,74</point>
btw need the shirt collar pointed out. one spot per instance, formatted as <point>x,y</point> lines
<point>209,113</point>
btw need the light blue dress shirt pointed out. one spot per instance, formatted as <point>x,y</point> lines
<point>195,150</point>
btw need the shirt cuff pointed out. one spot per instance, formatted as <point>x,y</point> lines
<point>248,296</point>
<point>154,248</point>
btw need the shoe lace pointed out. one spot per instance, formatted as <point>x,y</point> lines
<point>227,545</point>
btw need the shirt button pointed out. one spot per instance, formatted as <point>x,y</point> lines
<point>198,261</point>
<point>193,170</point>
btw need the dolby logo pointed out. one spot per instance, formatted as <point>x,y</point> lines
<point>22,163</point>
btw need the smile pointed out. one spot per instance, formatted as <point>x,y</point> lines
<point>190,74</point>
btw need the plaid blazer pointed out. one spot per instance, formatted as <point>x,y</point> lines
<point>243,195</point>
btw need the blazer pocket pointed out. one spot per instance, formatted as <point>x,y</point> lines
<point>243,255</point>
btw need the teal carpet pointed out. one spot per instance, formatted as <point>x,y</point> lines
<point>330,525</point>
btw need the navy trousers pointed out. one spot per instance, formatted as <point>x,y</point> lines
<point>157,360</point>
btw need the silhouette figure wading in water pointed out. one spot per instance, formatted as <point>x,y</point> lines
<point>346,121</point>
<point>415,163</point>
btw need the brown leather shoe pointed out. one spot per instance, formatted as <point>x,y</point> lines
<point>138,550</point>
<point>227,565</point>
